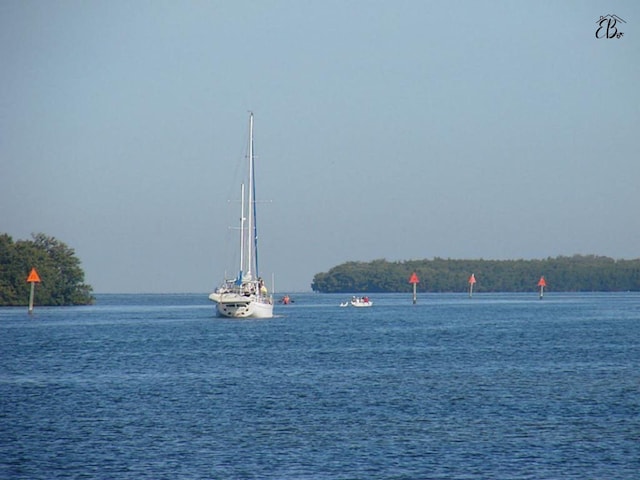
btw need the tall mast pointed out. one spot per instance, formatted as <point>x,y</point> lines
<point>251,201</point>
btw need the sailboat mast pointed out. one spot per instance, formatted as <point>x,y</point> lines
<point>251,201</point>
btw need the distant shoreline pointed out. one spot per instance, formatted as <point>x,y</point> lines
<point>578,273</point>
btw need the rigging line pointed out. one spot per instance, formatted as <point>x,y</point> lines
<point>255,221</point>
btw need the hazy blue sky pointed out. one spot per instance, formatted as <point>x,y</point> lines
<point>383,129</point>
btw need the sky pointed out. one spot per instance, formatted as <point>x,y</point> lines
<point>404,129</point>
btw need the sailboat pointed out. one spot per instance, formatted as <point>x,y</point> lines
<point>245,296</point>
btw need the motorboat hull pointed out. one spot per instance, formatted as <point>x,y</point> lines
<point>361,304</point>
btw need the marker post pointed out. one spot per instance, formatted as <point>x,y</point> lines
<point>542,283</point>
<point>33,278</point>
<point>472,281</point>
<point>414,280</point>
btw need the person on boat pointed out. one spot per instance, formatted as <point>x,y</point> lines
<point>365,299</point>
<point>261,286</point>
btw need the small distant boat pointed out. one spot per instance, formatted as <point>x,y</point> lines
<point>361,302</point>
<point>246,296</point>
<point>286,300</point>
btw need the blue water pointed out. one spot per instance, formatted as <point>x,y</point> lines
<point>155,387</point>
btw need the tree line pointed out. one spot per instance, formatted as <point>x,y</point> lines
<point>62,278</point>
<point>578,273</point>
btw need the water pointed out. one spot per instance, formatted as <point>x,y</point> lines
<point>155,387</point>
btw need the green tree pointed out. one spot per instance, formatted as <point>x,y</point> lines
<point>58,267</point>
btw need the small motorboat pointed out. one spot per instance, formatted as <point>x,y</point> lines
<point>286,300</point>
<point>361,302</point>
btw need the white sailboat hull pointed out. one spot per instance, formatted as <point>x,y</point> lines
<point>233,305</point>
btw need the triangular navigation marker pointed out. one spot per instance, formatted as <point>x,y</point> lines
<point>33,276</point>
<point>414,280</point>
<point>472,281</point>
<point>542,283</point>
